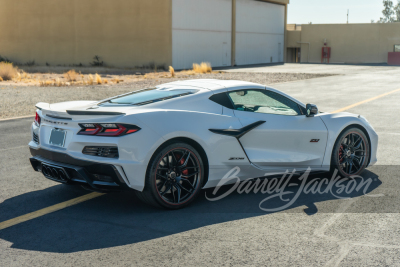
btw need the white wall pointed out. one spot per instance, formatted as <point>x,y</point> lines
<point>201,32</point>
<point>260,29</point>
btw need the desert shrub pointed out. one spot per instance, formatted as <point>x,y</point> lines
<point>172,71</point>
<point>90,82</point>
<point>97,62</point>
<point>98,79</point>
<point>8,71</point>
<point>30,63</point>
<point>105,81</point>
<point>204,67</point>
<point>71,75</point>
<point>4,59</point>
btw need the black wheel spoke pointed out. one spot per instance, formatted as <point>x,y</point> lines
<point>186,161</point>
<point>182,187</point>
<point>164,183</point>
<point>190,184</point>
<point>190,175</point>
<point>178,189</point>
<point>358,143</point>
<point>173,194</point>
<point>162,176</point>
<point>351,167</point>
<point>355,160</point>
<point>166,190</point>
<point>174,160</point>
<point>165,160</point>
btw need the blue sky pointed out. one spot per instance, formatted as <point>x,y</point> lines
<point>334,11</point>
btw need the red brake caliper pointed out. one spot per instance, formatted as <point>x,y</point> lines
<point>181,161</point>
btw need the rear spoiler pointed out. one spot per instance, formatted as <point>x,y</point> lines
<point>42,105</point>
<point>94,113</point>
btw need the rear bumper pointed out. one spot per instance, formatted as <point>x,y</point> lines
<point>65,169</point>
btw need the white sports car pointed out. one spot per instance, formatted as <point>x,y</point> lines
<point>168,142</point>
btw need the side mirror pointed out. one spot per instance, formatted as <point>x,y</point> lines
<point>311,110</point>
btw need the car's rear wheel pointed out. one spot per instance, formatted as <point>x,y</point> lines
<point>174,177</point>
<point>351,152</point>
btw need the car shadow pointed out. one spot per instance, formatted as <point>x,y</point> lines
<point>118,219</point>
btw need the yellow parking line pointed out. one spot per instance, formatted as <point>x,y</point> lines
<point>16,118</point>
<point>48,210</point>
<point>365,101</point>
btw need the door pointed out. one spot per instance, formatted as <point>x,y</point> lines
<point>201,32</point>
<point>225,54</point>
<point>280,52</point>
<point>260,26</point>
<point>287,139</point>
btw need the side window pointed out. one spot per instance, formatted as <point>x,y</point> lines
<point>263,101</point>
<point>222,99</point>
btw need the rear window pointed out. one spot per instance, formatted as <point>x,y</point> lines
<point>151,95</point>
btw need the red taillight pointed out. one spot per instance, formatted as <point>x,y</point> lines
<point>113,131</point>
<point>37,120</point>
<point>107,129</point>
<point>91,130</point>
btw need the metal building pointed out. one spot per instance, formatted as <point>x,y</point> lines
<point>226,32</point>
<point>144,32</point>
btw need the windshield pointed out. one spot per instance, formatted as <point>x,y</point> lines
<point>148,96</point>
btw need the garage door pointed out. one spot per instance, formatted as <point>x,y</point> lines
<point>201,32</point>
<point>260,29</point>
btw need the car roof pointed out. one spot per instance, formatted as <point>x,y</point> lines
<point>214,84</point>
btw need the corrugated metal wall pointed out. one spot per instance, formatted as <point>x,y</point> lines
<point>201,32</point>
<point>260,29</point>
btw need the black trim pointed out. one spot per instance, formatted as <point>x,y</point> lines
<point>223,100</point>
<point>94,113</point>
<point>239,132</point>
<point>80,172</point>
<point>101,151</point>
<point>57,117</point>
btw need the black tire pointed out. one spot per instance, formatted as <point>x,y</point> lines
<point>174,177</point>
<point>351,153</point>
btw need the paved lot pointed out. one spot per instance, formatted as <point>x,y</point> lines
<point>117,229</point>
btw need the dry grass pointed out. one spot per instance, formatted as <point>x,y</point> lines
<point>172,71</point>
<point>91,80</point>
<point>8,71</point>
<point>1,79</point>
<point>98,79</point>
<point>71,76</point>
<point>203,68</point>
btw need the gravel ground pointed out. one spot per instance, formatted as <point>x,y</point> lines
<point>18,101</point>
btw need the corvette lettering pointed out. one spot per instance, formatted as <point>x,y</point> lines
<point>56,122</point>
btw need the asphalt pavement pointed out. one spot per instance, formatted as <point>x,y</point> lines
<point>315,230</point>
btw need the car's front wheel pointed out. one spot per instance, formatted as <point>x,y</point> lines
<point>174,177</point>
<point>351,152</point>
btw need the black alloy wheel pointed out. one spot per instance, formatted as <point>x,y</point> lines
<point>175,177</point>
<point>351,152</point>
